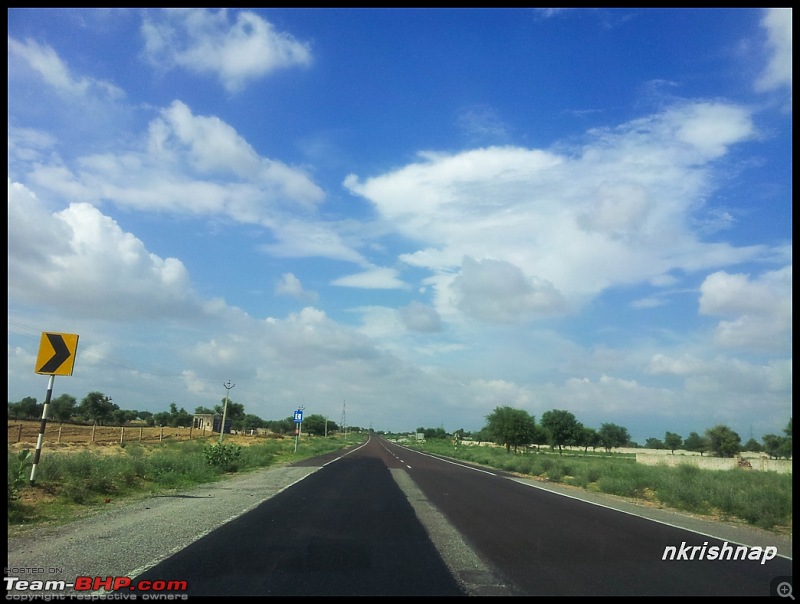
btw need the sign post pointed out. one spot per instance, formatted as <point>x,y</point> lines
<point>298,419</point>
<point>56,357</point>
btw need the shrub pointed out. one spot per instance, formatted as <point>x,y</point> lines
<point>17,478</point>
<point>222,456</point>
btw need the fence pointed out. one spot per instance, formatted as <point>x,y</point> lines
<point>28,432</point>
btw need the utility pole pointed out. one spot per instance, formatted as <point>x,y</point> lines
<point>344,418</point>
<point>228,385</point>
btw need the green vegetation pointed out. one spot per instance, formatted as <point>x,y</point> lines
<point>559,428</point>
<point>762,499</point>
<point>511,427</point>
<point>18,469</point>
<point>69,484</point>
<point>97,408</point>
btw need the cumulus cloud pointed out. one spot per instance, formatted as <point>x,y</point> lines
<point>181,169</point>
<point>618,210</point>
<point>499,292</point>
<point>289,285</point>
<point>420,317</point>
<point>761,308</point>
<point>81,260</point>
<point>205,41</point>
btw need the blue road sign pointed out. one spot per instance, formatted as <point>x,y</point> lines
<point>298,416</point>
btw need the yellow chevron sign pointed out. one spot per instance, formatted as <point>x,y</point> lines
<point>57,353</point>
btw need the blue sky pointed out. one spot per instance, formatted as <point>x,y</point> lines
<point>411,216</point>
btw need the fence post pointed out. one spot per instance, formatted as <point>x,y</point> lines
<point>19,433</point>
<point>121,434</point>
<point>94,427</point>
<point>60,428</point>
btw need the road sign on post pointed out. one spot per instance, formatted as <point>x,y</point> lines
<point>57,353</point>
<point>56,357</point>
<point>298,419</point>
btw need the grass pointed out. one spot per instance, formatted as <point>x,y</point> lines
<point>761,499</point>
<point>71,484</point>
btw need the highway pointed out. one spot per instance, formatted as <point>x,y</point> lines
<point>385,520</point>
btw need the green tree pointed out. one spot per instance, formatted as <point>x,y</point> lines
<point>281,426</point>
<point>587,437</point>
<point>235,412</point>
<point>511,427</point>
<point>612,436</point>
<point>786,449</point>
<point>696,443</point>
<point>315,424</point>
<point>772,445</point>
<point>97,407</point>
<point>561,428</point>
<point>723,442</point>
<point>777,446</point>
<point>27,408</point>
<point>62,408</point>
<point>654,443</point>
<point>431,433</point>
<point>673,441</point>
<point>482,435</point>
<point>179,418</point>
<point>753,445</point>
<point>147,416</point>
<point>253,422</point>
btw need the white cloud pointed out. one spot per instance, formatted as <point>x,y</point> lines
<point>481,124</point>
<point>687,364</point>
<point>182,170</point>
<point>43,60</point>
<point>420,317</point>
<point>205,41</point>
<point>82,262</point>
<point>616,211</point>
<point>761,308</point>
<point>289,285</point>
<point>375,278</point>
<point>303,239</point>
<point>778,74</point>
<point>498,292</point>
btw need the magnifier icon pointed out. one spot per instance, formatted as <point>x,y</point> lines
<point>785,590</point>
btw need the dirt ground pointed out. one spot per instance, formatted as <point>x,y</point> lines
<point>24,434</point>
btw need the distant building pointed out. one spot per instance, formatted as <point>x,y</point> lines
<point>203,422</point>
<point>209,422</point>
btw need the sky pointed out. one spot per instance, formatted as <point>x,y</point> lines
<point>404,218</point>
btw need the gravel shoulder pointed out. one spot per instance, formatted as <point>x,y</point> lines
<point>131,537</point>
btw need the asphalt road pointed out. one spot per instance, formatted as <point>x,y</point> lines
<point>350,529</point>
<point>384,520</point>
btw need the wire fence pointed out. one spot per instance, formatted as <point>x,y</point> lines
<point>21,431</point>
